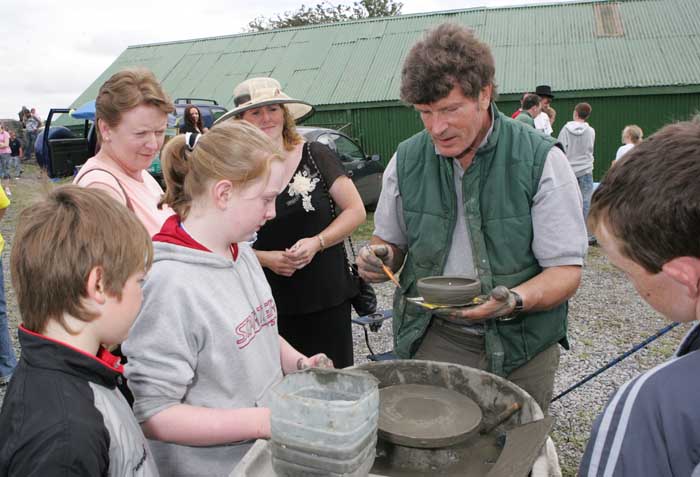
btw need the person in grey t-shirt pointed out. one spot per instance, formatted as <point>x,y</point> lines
<point>465,134</point>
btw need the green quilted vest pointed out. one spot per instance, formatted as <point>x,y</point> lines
<point>498,189</point>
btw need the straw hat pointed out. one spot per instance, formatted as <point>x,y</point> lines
<point>257,92</point>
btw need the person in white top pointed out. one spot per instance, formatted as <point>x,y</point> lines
<point>542,122</point>
<point>631,136</point>
<point>131,117</point>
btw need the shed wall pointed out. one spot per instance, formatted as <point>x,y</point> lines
<point>381,129</point>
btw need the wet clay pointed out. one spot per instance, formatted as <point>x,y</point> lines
<point>448,290</point>
<point>425,416</point>
<point>473,458</point>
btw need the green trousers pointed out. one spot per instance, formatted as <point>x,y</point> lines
<point>453,344</point>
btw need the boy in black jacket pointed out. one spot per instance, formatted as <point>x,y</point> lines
<point>78,261</point>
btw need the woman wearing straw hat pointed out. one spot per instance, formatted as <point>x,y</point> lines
<point>301,250</point>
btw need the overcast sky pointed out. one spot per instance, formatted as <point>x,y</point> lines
<point>53,50</point>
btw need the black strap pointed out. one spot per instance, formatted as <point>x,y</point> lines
<point>126,196</point>
<point>332,204</point>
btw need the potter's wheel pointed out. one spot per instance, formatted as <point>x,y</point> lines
<point>418,415</point>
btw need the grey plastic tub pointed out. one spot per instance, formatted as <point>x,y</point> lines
<point>324,422</point>
<point>290,462</point>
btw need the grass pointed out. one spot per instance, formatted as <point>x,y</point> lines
<point>364,231</point>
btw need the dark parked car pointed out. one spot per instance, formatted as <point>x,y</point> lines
<point>365,171</point>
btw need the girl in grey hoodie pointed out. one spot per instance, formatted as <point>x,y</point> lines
<point>204,350</point>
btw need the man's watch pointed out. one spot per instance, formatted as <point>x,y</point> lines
<point>517,309</point>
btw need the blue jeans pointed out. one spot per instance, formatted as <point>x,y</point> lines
<point>8,359</point>
<point>5,166</point>
<point>585,184</point>
<point>14,168</point>
<point>29,147</point>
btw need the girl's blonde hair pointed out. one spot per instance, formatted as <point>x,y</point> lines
<point>232,150</point>
<point>634,132</point>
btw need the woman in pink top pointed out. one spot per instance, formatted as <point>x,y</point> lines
<point>5,152</point>
<point>131,114</point>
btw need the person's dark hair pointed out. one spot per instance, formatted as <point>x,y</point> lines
<point>650,200</point>
<point>583,110</point>
<point>448,56</point>
<point>188,117</point>
<point>530,100</point>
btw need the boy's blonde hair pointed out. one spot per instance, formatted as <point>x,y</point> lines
<point>231,150</point>
<point>60,239</point>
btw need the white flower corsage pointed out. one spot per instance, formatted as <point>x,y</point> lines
<point>303,185</point>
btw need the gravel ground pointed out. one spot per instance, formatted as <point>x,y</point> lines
<point>606,318</point>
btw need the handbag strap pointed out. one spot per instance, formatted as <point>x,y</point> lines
<point>332,206</point>
<point>126,196</point>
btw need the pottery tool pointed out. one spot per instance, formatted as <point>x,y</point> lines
<point>523,446</point>
<point>501,418</point>
<point>391,276</point>
<point>420,301</point>
<point>387,270</point>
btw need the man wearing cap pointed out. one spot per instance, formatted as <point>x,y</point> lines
<point>542,119</point>
<point>480,195</point>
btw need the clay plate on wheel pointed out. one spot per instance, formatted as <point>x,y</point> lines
<point>448,290</point>
<point>418,415</point>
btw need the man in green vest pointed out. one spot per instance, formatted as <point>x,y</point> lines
<point>480,195</point>
<point>530,110</point>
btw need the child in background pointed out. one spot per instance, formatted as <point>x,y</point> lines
<point>205,349</point>
<point>77,263</point>
<point>551,114</point>
<point>631,136</point>
<point>15,154</point>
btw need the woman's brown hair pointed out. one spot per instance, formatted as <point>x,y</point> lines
<point>290,136</point>
<point>127,89</point>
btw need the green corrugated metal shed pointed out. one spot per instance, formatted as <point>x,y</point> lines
<point>635,61</point>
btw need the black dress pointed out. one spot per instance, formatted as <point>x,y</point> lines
<point>313,304</point>
<point>189,128</point>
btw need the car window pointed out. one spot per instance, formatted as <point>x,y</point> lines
<point>347,150</point>
<point>218,112</point>
<point>328,140</point>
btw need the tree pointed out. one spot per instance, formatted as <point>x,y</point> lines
<point>326,12</point>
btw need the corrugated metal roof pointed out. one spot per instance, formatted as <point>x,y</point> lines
<point>361,61</point>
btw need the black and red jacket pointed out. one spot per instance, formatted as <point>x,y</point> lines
<point>63,414</point>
